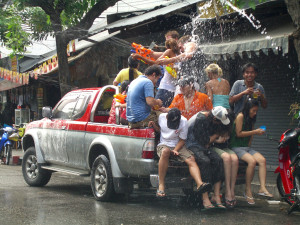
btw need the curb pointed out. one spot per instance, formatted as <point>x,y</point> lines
<point>14,160</point>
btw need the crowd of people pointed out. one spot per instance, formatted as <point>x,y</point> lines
<point>209,131</point>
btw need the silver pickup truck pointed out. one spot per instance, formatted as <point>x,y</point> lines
<point>75,138</point>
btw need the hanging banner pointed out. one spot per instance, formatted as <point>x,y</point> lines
<point>73,45</point>
<point>49,65</point>
<point>2,72</point>
<point>21,78</point>
<point>45,70</point>
<point>27,78</point>
<point>9,75</point>
<point>54,61</point>
<point>68,49</point>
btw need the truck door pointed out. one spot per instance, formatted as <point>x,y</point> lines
<point>54,139</point>
<point>75,144</point>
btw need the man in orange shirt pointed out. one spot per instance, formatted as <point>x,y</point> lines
<point>190,101</point>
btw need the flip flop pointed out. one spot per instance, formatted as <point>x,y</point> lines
<point>205,187</point>
<point>229,203</point>
<point>251,198</point>
<point>220,206</point>
<point>233,201</point>
<point>160,194</point>
<point>208,207</point>
<point>265,194</point>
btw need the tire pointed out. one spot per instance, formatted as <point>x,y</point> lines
<point>33,174</point>
<point>102,180</point>
<point>282,191</point>
<point>8,153</point>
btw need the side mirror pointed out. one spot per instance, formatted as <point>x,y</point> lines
<point>47,112</point>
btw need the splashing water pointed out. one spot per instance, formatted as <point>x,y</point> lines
<point>255,23</point>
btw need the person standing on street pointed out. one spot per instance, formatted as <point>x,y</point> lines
<point>242,90</point>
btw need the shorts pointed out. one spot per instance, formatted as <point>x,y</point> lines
<point>220,151</point>
<point>240,151</point>
<point>184,153</point>
<point>144,123</point>
<point>165,96</point>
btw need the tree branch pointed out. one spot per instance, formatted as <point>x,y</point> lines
<point>94,12</point>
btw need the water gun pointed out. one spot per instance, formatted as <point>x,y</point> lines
<point>120,98</point>
<point>142,51</point>
<point>170,69</point>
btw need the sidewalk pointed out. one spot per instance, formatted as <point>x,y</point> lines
<point>17,156</point>
<point>270,185</point>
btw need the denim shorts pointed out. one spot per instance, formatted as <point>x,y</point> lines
<point>240,151</point>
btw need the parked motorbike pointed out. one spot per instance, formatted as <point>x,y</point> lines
<point>288,179</point>
<point>9,134</point>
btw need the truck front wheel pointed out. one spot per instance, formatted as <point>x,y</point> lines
<point>33,174</point>
<point>102,180</point>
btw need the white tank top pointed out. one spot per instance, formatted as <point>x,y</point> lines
<point>167,82</point>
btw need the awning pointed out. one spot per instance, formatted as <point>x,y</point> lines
<point>80,45</point>
<point>276,39</point>
<point>6,84</point>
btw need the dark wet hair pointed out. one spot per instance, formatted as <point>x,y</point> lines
<point>249,122</point>
<point>153,69</point>
<point>133,64</point>
<point>124,85</point>
<point>247,65</point>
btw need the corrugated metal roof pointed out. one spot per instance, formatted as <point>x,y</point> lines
<point>148,15</point>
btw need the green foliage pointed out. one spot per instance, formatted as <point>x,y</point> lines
<point>14,37</point>
<point>31,14</point>
<point>295,110</point>
<point>250,3</point>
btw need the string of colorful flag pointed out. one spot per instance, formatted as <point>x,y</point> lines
<point>46,67</point>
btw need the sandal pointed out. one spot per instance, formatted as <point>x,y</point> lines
<point>160,194</point>
<point>208,207</point>
<point>249,198</point>
<point>229,203</point>
<point>205,187</point>
<point>220,206</point>
<point>265,194</point>
<point>233,201</point>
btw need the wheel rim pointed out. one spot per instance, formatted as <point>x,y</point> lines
<point>100,180</point>
<point>32,167</point>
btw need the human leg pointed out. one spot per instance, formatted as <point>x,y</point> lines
<point>203,163</point>
<point>262,173</point>
<point>195,173</point>
<point>227,172</point>
<point>164,154</point>
<point>216,197</point>
<point>250,160</point>
<point>234,171</point>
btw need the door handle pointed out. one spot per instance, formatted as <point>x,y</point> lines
<point>63,127</point>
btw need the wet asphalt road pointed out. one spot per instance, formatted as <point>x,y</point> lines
<point>68,199</point>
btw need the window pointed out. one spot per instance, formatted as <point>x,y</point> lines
<point>72,106</point>
<point>104,105</point>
